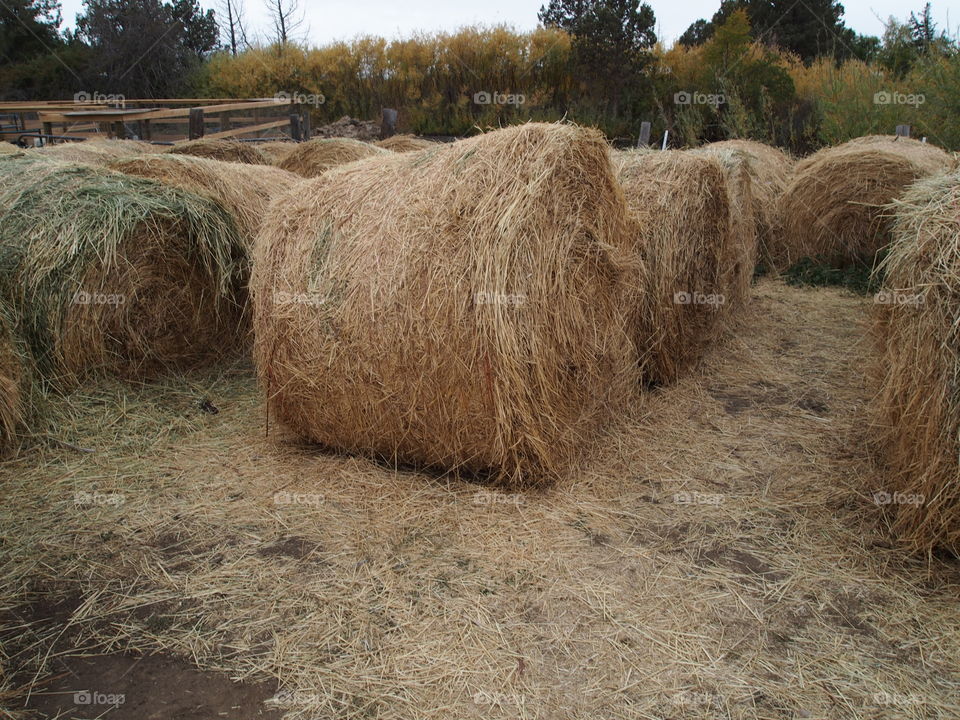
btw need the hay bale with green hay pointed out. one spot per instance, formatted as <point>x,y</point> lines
<point>916,408</point>
<point>833,207</point>
<point>226,150</point>
<point>464,309</point>
<point>313,158</point>
<point>109,273</point>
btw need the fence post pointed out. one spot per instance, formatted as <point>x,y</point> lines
<point>644,138</point>
<point>903,130</point>
<point>388,123</point>
<point>196,123</point>
<point>296,131</point>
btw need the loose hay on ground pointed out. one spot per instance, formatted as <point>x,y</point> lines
<point>832,208</point>
<point>110,273</point>
<point>226,150</point>
<point>916,410</point>
<point>404,143</point>
<point>682,228</point>
<point>314,157</point>
<point>463,309</point>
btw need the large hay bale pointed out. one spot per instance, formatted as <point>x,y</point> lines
<point>769,169</point>
<point>244,190</point>
<point>313,158</point>
<point>916,408</point>
<point>404,143</point>
<point>276,150</point>
<point>681,210</point>
<point>7,148</point>
<point>462,309</point>
<point>112,273</point>
<point>832,208</point>
<point>13,369</point>
<point>226,150</point>
<point>97,151</point>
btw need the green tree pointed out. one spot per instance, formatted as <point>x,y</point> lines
<point>28,28</point>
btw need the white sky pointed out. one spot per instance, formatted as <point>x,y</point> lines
<point>327,20</point>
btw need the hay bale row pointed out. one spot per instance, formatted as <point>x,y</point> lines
<point>111,273</point>
<point>462,310</point>
<point>833,207</point>
<point>916,408</point>
<point>96,151</point>
<point>681,211</point>
<point>276,150</point>
<point>312,158</point>
<point>769,169</point>
<point>404,143</point>
<point>226,150</point>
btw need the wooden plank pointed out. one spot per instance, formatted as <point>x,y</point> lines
<point>195,130</point>
<point>166,113</point>
<point>249,129</point>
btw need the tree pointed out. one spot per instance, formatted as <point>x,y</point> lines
<point>287,19</point>
<point>232,12</point>
<point>611,42</point>
<point>145,48</point>
<point>28,28</point>
<point>697,34</point>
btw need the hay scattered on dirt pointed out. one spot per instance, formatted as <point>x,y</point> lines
<point>461,309</point>
<point>226,150</point>
<point>916,411</point>
<point>313,158</point>
<point>832,209</point>
<point>244,190</point>
<point>682,228</point>
<point>404,143</point>
<point>769,168</point>
<point>112,273</point>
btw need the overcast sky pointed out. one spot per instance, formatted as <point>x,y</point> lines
<point>327,20</point>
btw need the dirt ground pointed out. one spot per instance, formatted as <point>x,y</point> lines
<point>722,557</point>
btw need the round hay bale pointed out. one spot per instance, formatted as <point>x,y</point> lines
<point>313,158</point>
<point>276,150</point>
<point>7,148</point>
<point>226,150</point>
<point>404,143</point>
<point>12,375</point>
<point>96,151</point>
<point>464,309</point>
<point>915,411</point>
<point>769,169</point>
<point>833,207</point>
<point>681,212</point>
<point>109,273</point>
<point>244,190</point>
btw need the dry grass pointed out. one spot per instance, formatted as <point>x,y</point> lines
<point>244,190</point>
<point>314,157</point>
<point>276,150</point>
<point>682,225</point>
<point>226,150</point>
<point>7,148</point>
<point>833,206</point>
<point>773,593</point>
<point>769,169</point>
<point>111,273</point>
<point>461,308</point>
<point>404,143</point>
<point>12,377</point>
<point>916,411</point>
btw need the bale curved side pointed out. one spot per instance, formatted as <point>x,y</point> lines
<point>833,207</point>
<point>313,158</point>
<point>404,143</point>
<point>915,411</point>
<point>227,150</point>
<point>465,310</point>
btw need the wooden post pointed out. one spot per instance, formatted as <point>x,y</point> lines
<point>644,138</point>
<point>225,121</point>
<point>196,124</point>
<point>295,128</point>
<point>388,123</point>
<point>305,122</point>
<point>903,130</point>
<point>47,130</point>
<point>119,130</point>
